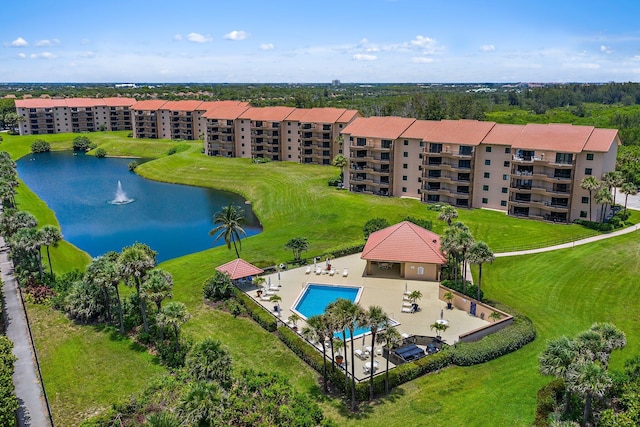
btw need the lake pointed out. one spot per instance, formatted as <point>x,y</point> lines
<point>172,219</point>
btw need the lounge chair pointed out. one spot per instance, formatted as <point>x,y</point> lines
<point>345,272</point>
<point>268,292</point>
<point>379,351</point>
<point>308,270</point>
<point>407,310</point>
<point>265,298</point>
<point>360,354</point>
<point>407,304</point>
<point>274,287</point>
<point>332,272</point>
<point>319,270</point>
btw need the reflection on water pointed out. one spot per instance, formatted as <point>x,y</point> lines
<point>173,219</point>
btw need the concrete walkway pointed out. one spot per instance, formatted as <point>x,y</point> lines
<point>572,244</point>
<point>33,409</point>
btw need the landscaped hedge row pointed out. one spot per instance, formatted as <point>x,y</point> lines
<point>471,290</point>
<point>497,344</point>
<point>397,376</point>
<point>599,226</point>
<point>257,312</point>
<point>8,399</point>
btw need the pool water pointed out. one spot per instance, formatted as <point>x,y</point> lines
<point>315,299</point>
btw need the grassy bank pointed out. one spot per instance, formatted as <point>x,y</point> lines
<point>562,291</point>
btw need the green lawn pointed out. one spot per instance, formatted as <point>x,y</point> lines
<point>563,292</point>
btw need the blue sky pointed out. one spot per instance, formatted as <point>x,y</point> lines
<point>318,41</point>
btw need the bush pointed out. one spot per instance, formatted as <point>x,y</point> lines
<point>548,395</point>
<point>172,150</point>
<point>8,400</point>
<point>335,181</point>
<point>471,289</point>
<point>424,223</point>
<point>374,225</point>
<point>257,312</point>
<point>101,153</point>
<point>81,143</point>
<point>593,225</point>
<point>499,343</point>
<point>133,165</point>
<point>86,302</point>
<point>130,135</point>
<point>40,146</point>
<point>218,287</point>
<point>172,357</point>
<point>261,160</point>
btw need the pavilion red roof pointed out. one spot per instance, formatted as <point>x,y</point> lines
<point>404,242</point>
<point>239,268</point>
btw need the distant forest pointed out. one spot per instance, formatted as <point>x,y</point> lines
<point>607,105</point>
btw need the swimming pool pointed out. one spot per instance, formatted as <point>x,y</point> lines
<point>315,298</point>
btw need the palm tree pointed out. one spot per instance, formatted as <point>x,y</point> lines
<point>339,319</point>
<point>448,213</point>
<point>389,336</point>
<point>25,244</point>
<point>603,197</point>
<point>209,361</point>
<point>556,360</point>
<point>51,235</point>
<point>450,245</point>
<point>613,180</point>
<point>317,330</point>
<point>415,296</point>
<point>628,189</point>
<point>480,254</point>
<point>374,318</point>
<point>229,225</point>
<point>13,220</point>
<point>134,262</point>
<point>173,315</point>
<point>201,404</point>
<point>611,338</point>
<point>157,286</point>
<point>104,271</point>
<point>439,327</point>
<point>591,184</point>
<point>341,162</point>
<point>589,380</point>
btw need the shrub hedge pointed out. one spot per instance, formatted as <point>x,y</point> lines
<point>497,344</point>
<point>257,312</point>
<point>471,289</point>
<point>8,400</point>
<point>598,226</point>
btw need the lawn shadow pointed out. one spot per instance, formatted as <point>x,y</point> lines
<point>365,410</point>
<point>114,335</point>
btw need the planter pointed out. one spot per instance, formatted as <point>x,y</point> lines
<point>449,306</point>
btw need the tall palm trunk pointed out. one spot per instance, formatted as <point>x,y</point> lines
<point>119,309</point>
<point>324,367</point>
<point>479,279</point>
<point>373,350</point>
<point>333,356</point>
<point>143,306</point>
<point>176,330</point>
<point>49,258</point>
<point>353,377</point>
<point>105,291</point>
<point>587,409</point>
<point>346,373</point>
<point>590,219</point>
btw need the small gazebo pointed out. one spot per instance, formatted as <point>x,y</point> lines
<point>415,249</point>
<point>239,269</point>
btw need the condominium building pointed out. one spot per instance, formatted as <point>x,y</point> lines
<point>532,170</point>
<point>46,116</point>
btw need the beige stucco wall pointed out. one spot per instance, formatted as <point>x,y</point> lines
<point>290,141</point>
<point>413,170</point>
<point>496,182</point>
<point>430,272</point>
<point>243,140</point>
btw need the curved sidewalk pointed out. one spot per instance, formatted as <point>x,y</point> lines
<point>33,408</point>
<point>571,244</point>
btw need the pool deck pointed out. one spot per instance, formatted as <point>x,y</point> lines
<point>386,292</point>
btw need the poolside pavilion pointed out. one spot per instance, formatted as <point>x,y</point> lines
<point>404,250</point>
<point>239,269</point>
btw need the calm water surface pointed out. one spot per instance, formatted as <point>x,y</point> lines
<point>173,219</point>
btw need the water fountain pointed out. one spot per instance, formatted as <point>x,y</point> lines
<point>121,196</point>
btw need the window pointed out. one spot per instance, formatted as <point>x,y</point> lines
<point>404,189</point>
<point>505,177</point>
<point>405,154</point>
<point>421,143</point>
<point>289,148</point>
<point>503,203</point>
<point>588,171</point>
<point>404,177</point>
<point>487,175</point>
<point>585,200</point>
<point>564,158</point>
<point>485,200</point>
<point>385,143</point>
<point>487,162</point>
<point>505,190</point>
<point>485,188</point>
<point>406,142</point>
<point>405,166</point>
<point>487,149</point>
<point>507,150</point>
<point>289,140</point>
<point>464,164</point>
<point>583,214</point>
<point>590,156</point>
<point>506,163</point>
<point>420,271</point>
<point>289,131</point>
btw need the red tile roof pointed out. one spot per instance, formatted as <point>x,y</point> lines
<point>36,103</point>
<point>317,115</point>
<point>186,105</point>
<point>465,132</point>
<point>419,129</point>
<point>148,105</point>
<point>387,127</point>
<point>601,140</point>
<point>553,137</point>
<point>269,114</point>
<point>239,268</point>
<point>73,102</point>
<point>348,115</point>
<point>119,102</point>
<point>404,242</point>
<point>206,105</point>
<point>225,112</point>
<point>502,134</point>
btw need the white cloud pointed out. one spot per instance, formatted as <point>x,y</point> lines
<point>236,35</point>
<point>46,42</point>
<point>422,60</point>
<point>198,38</point>
<point>364,57</point>
<point>22,55</point>
<point>605,49</point>
<point>43,55</point>
<point>87,54</point>
<point>422,42</point>
<point>267,46</point>
<point>487,48</point>
<point>177,37</point>
<point>19,42</point>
